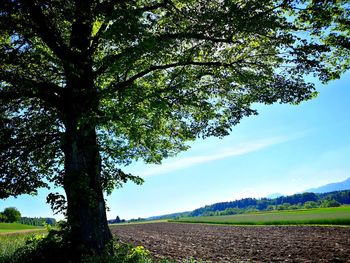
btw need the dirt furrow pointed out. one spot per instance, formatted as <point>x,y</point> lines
<point>215,243</point>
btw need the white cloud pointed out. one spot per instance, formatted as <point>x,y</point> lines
<point>237,150</point>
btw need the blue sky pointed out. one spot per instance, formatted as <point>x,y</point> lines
<point>285,149</point>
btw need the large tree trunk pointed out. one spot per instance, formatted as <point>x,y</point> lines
<point>86,205</point>
<point>82,182</point>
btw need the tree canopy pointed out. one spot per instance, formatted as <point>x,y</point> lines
<point>89,86</point>
<point>10,215</point>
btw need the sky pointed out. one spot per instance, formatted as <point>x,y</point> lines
<point>285,149</point>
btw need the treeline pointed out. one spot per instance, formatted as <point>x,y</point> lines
<point>117,220</point>
<point>37,221</point>
<point>12,215</point>
<point>296,201</point>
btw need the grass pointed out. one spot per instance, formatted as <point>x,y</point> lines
<point>15,227</point>
<point>13,236</point>
<point>140,222</point>
<point>10,242</point>
<point>317,216</point>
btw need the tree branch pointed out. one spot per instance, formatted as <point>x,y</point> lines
<point>97,38</point>
<point>47,31</point>
<point>40,140</point>
<point>153,7</point>
<point>109,10</point>
<point>47,92</point>
<point>173,65</point>
<point>124,84</point>
<point>162,37</point>
<point>196,36</point>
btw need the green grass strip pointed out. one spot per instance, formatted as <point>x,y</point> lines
<point>340,222</point>
<point>319,216</point>
<point>13,227</point>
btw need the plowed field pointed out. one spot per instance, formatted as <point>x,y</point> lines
<point>214,243</point>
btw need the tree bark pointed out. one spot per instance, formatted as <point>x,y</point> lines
<point>86,209</point>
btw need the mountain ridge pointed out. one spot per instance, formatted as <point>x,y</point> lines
<point>338,186</point>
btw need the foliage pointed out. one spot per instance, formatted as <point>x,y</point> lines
<point>45,248</point>
<point>2,217</point>
<point>18,248</point>
<point>330,203</point>
<point>160,79</point>
<point>310,204</point>
<point>137,252</point>
<point>117,220</point>
<point>328,22</point>
<point>89,86</point>
<point>37,221</point>
<point>10,215</point>
<point>9,244</point>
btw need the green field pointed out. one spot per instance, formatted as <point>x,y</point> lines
<point>318,216</point>
<point>14,238</point>
<point>14,227</point>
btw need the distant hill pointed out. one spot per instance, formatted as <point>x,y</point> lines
<point>296,201</point>
<point>329,191</point>
<point>170,216</point>
<point>345,185</point>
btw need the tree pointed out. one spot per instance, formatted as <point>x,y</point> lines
<point>310,204</point>
<point>330,203</point>
<point>89,86</point>
<point>2,217</point>
<point>328,22</point>
<point>11,215</point>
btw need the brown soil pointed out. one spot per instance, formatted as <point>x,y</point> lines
<point>214,243</point>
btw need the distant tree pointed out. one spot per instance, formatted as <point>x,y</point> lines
<point>310,204</point>
<point>262,204</point>
<point>37,221</point>
<point>117,219</point>
<point>271,207</point>
<point>2,217</point>
<point>89,85</point>
<point>330,203</point>
<point>295,207</point>
<point>285,206</point>
<point>12,215</point>
<point>50,221</point>
<point>343,197</point>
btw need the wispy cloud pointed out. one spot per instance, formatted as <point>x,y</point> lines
<point>236,150</point>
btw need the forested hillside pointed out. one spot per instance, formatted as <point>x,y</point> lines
<point>296,201</point>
